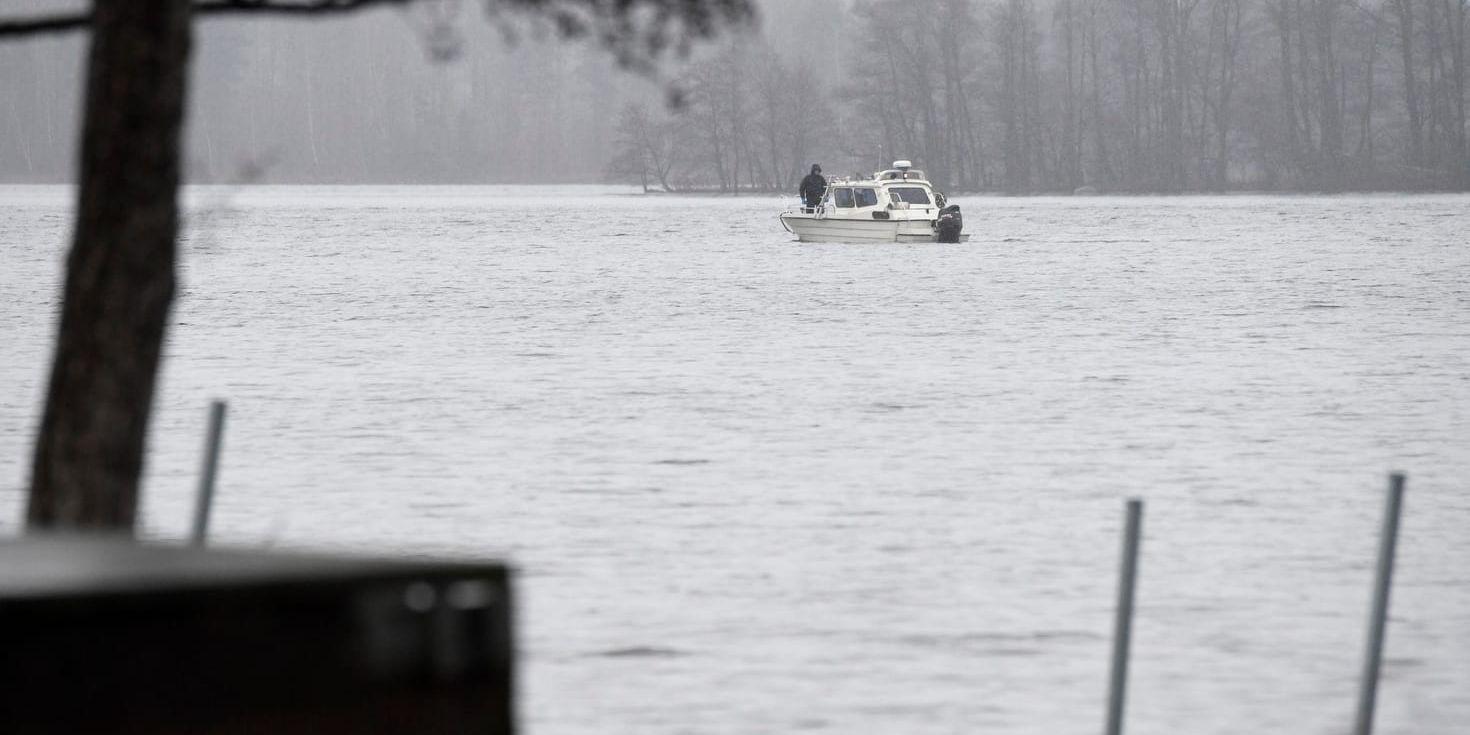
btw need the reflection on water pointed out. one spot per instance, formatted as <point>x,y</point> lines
<point>762,486</point>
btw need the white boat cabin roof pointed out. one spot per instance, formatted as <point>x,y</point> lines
<point>895,174</point>
<point>903,172</point>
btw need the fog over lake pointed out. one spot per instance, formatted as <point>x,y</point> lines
<point>754,485</point>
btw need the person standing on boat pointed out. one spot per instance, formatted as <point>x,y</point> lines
<point>813,187</point>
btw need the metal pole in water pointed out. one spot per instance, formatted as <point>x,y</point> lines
<point>1378,617</point>
<point>208,471</point>
<point>1123,623</point>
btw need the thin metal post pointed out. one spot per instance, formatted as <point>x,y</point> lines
<point>207,472</point>
<point>1378,617</point>
<point>1123,623</point>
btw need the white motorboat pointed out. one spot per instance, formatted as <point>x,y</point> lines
<point>897,205</point>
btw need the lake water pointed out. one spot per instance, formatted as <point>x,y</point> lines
<point>756,486</point>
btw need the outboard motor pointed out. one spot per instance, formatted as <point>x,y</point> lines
<point>950,223</point>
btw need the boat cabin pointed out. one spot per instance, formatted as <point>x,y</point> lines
<point>901,187</point>
<point>863,195</point>
<point>845,197</point>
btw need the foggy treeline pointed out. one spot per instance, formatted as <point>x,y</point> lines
<point>1056,95</point>
<point>995,95</point>
<point>360,99</point>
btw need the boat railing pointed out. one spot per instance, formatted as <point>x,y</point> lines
<point>817,212</point>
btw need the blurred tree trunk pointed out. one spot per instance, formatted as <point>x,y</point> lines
<point>1104,175</point>
<point>120,273</point>
<point>1404,13</point>
<point>1018,94</point>
<point>1219,85</point>
<point>1457,29</point>
<point>1329,98</point>
<point>964,146</point>
<point>1171,22</point>
<point>1284,19</point>
<point>1364,151</point>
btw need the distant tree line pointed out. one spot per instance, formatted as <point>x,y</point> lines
<point>358,100</point>
<point>1018,96</point>
<point>1027,96</point>
<point>743,120</point>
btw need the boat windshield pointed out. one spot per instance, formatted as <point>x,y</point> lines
<point>910,194</point>
<point>866,197</point>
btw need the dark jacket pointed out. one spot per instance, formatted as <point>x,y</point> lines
<point>812,189</point>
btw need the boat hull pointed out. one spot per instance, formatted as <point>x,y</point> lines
<point>809,228</point>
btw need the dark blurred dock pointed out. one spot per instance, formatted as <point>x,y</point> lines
<point>106,635</point>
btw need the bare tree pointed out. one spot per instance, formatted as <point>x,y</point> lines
<point>1403,11</point>
<point>646,149</point>
<point>1219,81</point>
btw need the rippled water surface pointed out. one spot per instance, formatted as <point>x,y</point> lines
<point>756,486</point>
